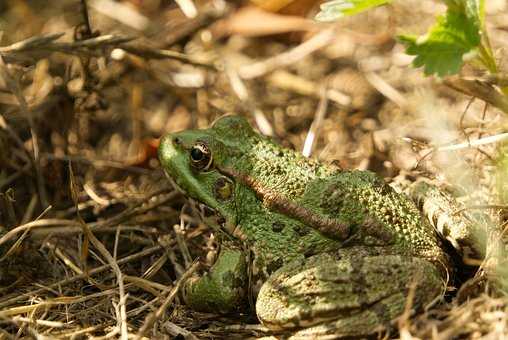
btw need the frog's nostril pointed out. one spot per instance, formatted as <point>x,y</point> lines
<point>177,141</point>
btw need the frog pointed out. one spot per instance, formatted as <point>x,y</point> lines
<point>320,251</point>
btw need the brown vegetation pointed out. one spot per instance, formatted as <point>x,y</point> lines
<point>96,242</point>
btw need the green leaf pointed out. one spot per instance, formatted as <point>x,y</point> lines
<point>442,51</point>
<point>336,9</point>
<point>473,9</point>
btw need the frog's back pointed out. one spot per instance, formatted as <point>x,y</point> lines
<point>355,207</point>
<point>376,214</point>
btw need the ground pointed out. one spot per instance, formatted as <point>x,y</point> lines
<point>91,231</point>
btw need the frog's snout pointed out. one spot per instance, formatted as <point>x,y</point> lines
<point>170,154</point>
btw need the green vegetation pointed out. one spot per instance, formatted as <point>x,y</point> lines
<point>458,36</point>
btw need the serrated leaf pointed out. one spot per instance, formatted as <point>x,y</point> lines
<point>474,9</point>
<point>336,9</point>
<point>442,50</point>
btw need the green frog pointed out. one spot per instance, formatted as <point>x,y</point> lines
<point>325,252</point>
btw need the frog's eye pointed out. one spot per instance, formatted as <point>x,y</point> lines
<point>201,157</point>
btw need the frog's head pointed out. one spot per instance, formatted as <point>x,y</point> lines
<point>192,159</point>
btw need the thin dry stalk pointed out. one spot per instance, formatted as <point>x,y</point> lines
<point>91,272</point>
<point>315,43</point>
<point>122,322</point>
<point>475,87</point>
<point>153,317</point>
<point>13,86</point>
<point>315,128</point>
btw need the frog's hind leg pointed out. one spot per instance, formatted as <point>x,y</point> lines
<point>464,231</point>
<point>361,325</point>
<point>347,294</point>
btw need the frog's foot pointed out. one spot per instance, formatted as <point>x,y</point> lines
<point>345,294</point>
<point>223,288</point>
<point>464,231</point>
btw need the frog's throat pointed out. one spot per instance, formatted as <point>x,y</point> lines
<point>273,200</point>
<point>229,224</point>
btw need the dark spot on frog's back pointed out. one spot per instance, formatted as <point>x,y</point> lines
<point>277,226</point>
<point>302,230</point>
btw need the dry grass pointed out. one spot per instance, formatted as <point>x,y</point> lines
<point>95,242</point>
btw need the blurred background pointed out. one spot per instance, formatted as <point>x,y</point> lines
<point>88,88</point>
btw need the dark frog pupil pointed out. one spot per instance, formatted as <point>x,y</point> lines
<point>201,158</point>
<point>197,154</point>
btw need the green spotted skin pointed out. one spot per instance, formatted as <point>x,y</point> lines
<point>327,251</point>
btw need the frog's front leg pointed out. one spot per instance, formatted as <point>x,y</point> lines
<point>223,287</point>
<point>351,293</point>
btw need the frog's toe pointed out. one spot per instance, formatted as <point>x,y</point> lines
<point>345,293</point>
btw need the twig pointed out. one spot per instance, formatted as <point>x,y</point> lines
<point>176,330</point>
<point>86,20</point>
<point>49,44</point>
<point>39,322</point>
<point>240,90</point>
<point>97,42</point>
<point>386,89</point>
<point>315,43</point>
<point>122,13</point>
<point>95,271</point>
<point>122,317</point>
<point>496,79</point>
<point>475,87</point>
<point>188,8</point>
<point>288,81</point>
<point>154,53</point>
<point>316,124</point>
<point>36,224</point>
<point>95,162</point>
<point>64,300</point>
<point>27,216</point>
<point>151,318</point>
<point>16,91</point>
<point>180,241</point>
<point>40,46</point>
<point>482,141</point>
<point>19,240</point>
<point>207,14</point>
<point>135,211</point>
<point>102,224</point>
<point>30,43</point>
